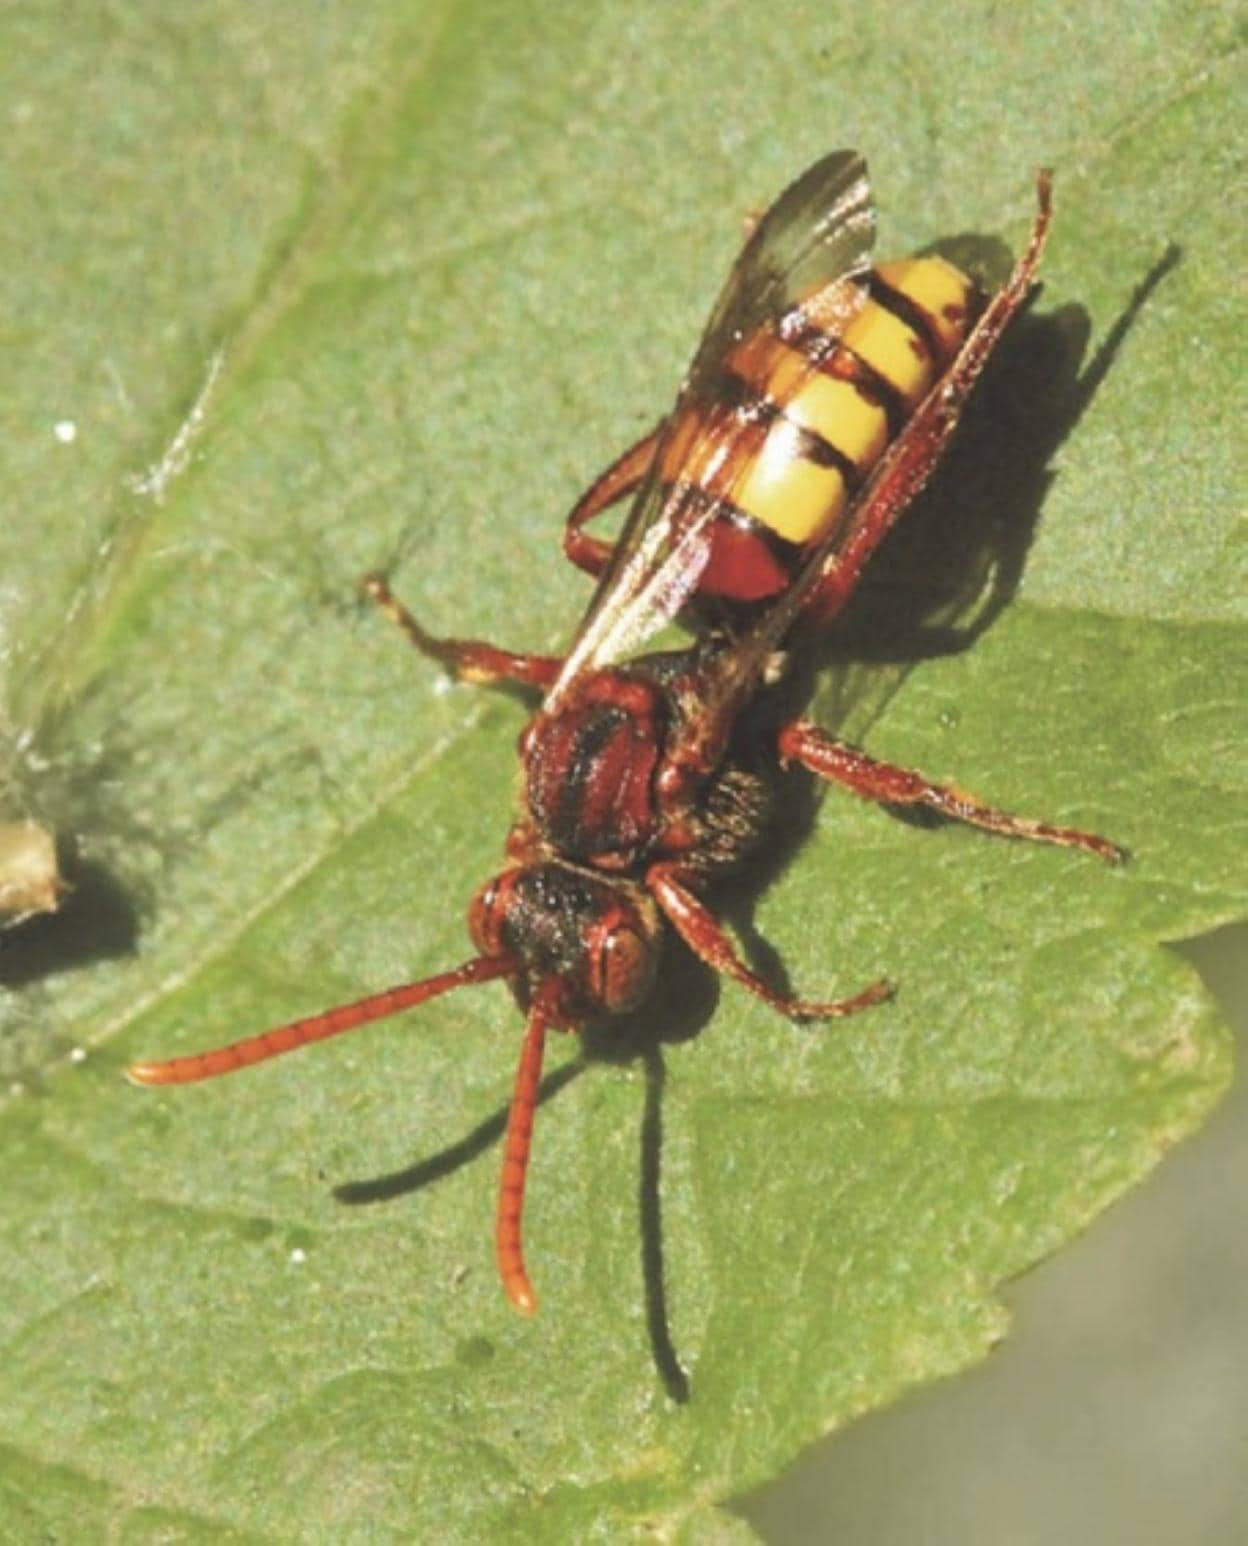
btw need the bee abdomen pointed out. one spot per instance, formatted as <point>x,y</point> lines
<point>805,412</point>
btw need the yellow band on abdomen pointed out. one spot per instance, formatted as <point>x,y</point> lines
<point>848,421</point>
<point>893,350</point>
<point>942,293</point>
<point>833,409</point>
<point>782,488</point>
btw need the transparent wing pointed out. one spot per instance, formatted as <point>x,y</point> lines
<point>835,566</point>
<point>820,230</point>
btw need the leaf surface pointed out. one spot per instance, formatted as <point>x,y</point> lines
<point>291,295</point>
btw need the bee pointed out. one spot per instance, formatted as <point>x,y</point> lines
<point>821,398</point>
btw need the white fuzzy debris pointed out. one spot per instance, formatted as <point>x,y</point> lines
<point>78,1055</point>
<point>156,480</point>
<point>298,1256</point>
<point>66,431</point>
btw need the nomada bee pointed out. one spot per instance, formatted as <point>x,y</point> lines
<point>820,400</point>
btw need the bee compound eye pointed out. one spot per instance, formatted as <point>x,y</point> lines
<point>487,914</point>
<point>621,966</point>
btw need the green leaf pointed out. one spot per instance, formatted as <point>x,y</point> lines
<point>291,293</point>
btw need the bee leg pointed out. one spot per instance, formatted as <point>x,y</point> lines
<point>621,478</point>
<point>670,885</point>
<point>471,660</point>
<point>840,763</point>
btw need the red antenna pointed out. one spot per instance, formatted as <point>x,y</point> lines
<point>508,1249</point>
<point>330,1022</point>
<point>348,1017</point>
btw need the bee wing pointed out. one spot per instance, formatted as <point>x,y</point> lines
<point>820,230</point>
<point>835,565</point>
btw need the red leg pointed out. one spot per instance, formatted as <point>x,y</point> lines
<point>622,477</point>
<point>469,659</point>
<point>831,759</point>
<point>909,462</point>
<point>704,934</point>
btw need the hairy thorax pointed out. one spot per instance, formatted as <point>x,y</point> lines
<point>593,778</point>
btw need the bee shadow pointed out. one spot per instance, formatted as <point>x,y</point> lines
<point>945,574</point>
<point>941,579</point>
<point>928,594</point>
<point>683,1001</point>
